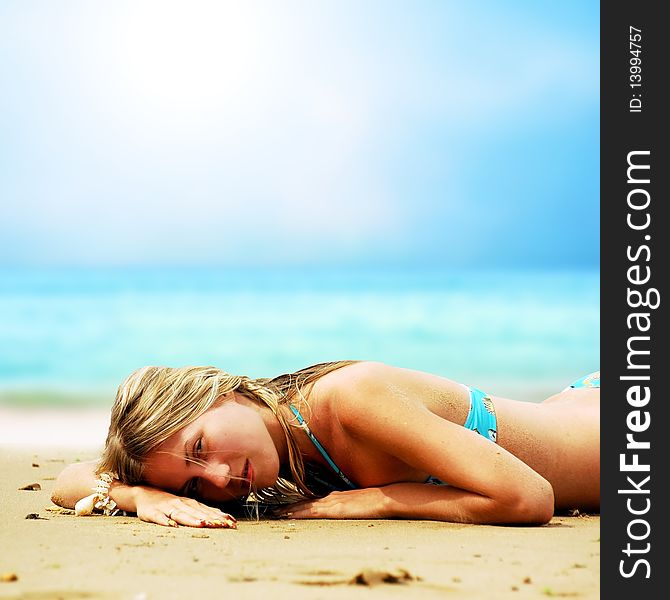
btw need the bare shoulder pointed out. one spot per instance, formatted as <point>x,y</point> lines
<point>354,379</point>
<point>367,392</point>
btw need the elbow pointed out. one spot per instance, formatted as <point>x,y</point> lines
<point>537,513</point>
<point>536,507</point>
<point>58,493</point>
<point>57,499</point>
<point>529,505</point>
<point>70,485</point>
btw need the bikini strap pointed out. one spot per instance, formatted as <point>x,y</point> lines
<point>320,448</point>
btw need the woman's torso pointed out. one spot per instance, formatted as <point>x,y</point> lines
<point>559,438</point>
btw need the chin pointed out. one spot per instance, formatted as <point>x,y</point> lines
<point>266,473</point>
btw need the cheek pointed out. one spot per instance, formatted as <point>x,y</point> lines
<point>249,430</point>
<point>269,467</point>
<point>161,476</point>
<point>233,438</point>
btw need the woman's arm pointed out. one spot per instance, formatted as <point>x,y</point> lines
<point>77,480</point>
<point>73,482</point>
<point>446,503</point>
<point>377,404</point>
<point>418,501</point>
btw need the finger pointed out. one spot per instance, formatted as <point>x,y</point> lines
<point>203,512</point>
<point>227,517</point>
<point>220,519</point>
<point>184,516</point>
<point>212,515</point>
<point>209,513</point>
<point>226,523</point>
<point>160,518</point>
<point>198,519</point>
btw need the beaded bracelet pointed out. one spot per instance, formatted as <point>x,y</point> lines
<point>99,499</point>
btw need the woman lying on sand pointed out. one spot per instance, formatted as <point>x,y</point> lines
<point>344,440</point>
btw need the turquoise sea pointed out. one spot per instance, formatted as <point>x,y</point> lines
<point>71,335</point>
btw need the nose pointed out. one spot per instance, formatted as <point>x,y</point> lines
<point>217,473</point>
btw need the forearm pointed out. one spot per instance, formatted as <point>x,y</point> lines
<point>431,502</point>
<point>446,503</point>
<point>154,505</point>
<point>77,481</point>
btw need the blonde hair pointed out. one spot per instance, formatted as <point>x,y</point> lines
<point>155,402</point>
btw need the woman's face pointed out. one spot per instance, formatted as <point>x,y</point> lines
<point>217,457</point>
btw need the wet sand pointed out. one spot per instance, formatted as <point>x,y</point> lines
<point>58,555</point>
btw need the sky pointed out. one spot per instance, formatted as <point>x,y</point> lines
<point>438,134</point>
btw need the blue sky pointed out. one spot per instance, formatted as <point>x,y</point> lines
<point>299,133</point>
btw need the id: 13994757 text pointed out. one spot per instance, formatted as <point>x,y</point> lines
<point>635,69</point>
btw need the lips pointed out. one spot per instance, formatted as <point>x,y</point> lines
<point>248,473</point>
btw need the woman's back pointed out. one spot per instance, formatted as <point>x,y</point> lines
<point>560,439</point>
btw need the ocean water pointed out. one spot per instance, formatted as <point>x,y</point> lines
<point>71,335</point>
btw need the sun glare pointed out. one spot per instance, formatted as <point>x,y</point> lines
<point>186,56</point>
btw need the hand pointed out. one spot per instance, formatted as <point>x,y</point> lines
<point>367,503</point>
<point>161,507</point>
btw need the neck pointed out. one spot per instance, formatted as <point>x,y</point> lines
<point>306,447</point>
<point>277,434</point>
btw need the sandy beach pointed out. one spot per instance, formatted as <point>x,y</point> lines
<point>54,554</point>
